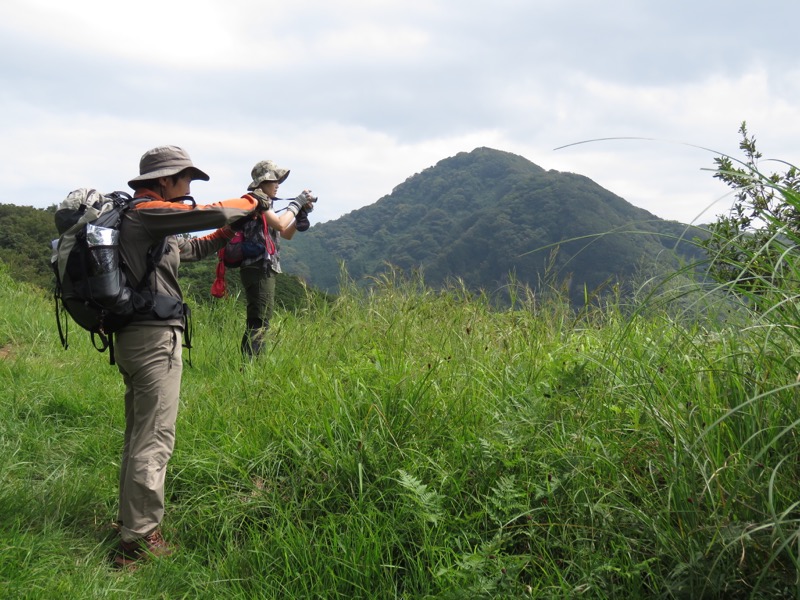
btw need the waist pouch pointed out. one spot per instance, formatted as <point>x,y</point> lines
<point>148,306</point>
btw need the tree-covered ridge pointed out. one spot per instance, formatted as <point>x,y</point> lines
<point>482,215</point>
<point>25,236</point>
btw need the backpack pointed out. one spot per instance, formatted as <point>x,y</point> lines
<point>246,243</point>
<point>90,284</point>
<point>250,242</point>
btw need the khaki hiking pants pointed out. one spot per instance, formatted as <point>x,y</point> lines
<point>149,358</point>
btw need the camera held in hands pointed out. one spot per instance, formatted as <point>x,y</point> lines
<point>301,220</point>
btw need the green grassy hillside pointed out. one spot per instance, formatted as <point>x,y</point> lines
<point>408,443</point>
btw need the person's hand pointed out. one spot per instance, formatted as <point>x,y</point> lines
<point>307,199</point>
<point>303,201</point>
<point>294,207</point>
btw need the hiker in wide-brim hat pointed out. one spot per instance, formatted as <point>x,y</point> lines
<point>148,349</point>
<point>265,232</point>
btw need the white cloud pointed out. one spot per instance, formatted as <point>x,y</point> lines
<point>356,96</point>
<point>242,35</point>
<point>177,33</point>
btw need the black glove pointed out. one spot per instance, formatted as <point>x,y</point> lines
<point>294,207</point>
<point>306,198</point>
<point>301,222</point>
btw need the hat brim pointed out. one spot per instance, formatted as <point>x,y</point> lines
<point>166,172</point>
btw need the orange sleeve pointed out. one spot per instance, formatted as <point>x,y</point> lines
<point>162,218</point>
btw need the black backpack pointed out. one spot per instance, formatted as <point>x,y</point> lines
<point>251,241</point>
<point>90,284</point>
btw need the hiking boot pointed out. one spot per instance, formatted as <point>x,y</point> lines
<point>150,546</point>
<point>253,341</point>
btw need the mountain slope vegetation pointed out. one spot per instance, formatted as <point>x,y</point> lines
<point>483,215</point>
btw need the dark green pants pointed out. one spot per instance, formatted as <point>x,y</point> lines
<point>258,284</point>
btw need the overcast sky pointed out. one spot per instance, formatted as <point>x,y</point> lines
<point>356,96</point>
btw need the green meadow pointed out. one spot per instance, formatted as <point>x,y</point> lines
<point>401,442</point>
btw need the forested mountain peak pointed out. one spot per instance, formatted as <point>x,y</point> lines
<point>480,216</point>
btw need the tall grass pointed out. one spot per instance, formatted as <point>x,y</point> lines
<point>401,442</point>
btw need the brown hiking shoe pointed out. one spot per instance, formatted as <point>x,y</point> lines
<point>150,546</point>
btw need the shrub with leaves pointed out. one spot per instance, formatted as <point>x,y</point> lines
<point>753,246</point>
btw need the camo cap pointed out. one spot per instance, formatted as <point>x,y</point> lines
<point>164,161</point>
<point>266,170</point>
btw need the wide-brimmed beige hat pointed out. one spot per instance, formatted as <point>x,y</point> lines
<point>266,170</point>
<point>164,161</point>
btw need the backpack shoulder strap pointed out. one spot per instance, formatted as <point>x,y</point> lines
<point>268,242</point>
<point>155,253</point>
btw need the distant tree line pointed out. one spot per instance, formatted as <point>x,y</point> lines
<point>26,234</point>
